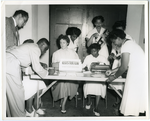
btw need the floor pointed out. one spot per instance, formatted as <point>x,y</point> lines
<point>79,111</point>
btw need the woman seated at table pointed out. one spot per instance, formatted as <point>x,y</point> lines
<point>31,87</point>
<point>62,90</point>
<point>94,88</point>
<point>73,34</point>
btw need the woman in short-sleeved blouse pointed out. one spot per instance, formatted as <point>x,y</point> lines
<point>133,58</point>
<point>73,34</point>
<point>92,88</point>
<point>64,89</point>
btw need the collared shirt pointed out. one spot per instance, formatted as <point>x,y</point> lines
<point>73,45</point>
<point>17,33</point>
<point>14,21</point>
<point>28,54</point>
<point>64,54</point>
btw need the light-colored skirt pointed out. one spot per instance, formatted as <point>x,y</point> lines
<point>31,86</point>
<point>94,89</point>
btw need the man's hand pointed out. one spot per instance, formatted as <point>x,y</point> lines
<point>44,65</point>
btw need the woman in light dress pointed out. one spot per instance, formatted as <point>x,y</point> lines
<point>92,88</point>
<point>115,57</point>
<point>134,99</point>
<point>64,89</point>
<point>31,87</point>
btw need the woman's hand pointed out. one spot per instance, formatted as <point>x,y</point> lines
<point>108,72</point>
<point>93,64</point>
<point>110,79</point>
<point>96,35</point>
<point>86,69</point>
<point>111,56</point>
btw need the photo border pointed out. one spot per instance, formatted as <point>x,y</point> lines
<point>2,44</point>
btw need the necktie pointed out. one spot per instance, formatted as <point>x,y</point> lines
<point>17,36</point>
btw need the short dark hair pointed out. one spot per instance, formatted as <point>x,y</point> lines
<point>73,31</point>
<point>22,12</point>
<point>43,40</point>
<point>117,33</point>
<point>94,46</point>
<point>97,18</point>
<point>64,37</point>
<point>28,41</point>
<point>121,23</point>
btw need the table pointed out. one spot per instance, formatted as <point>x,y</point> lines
<point>78,77</point>
<point>86,76</point>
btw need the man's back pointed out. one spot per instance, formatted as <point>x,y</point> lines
<point>25,52</point>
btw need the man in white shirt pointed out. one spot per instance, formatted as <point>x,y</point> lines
<point>22,56</point>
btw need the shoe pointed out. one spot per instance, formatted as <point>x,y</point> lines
<point>96,113</point>
<point>63,111</point>
<point>33,114</point>
<point>88,106</point>
<point>39,111</point>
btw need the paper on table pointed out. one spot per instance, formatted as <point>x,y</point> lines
<point>62,73</point>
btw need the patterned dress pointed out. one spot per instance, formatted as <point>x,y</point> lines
<point>64,88</point>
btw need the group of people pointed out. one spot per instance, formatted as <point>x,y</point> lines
<point>114,48</point>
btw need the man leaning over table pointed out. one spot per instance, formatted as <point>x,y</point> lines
<point>22,56</point>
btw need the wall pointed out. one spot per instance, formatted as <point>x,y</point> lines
<point>135,23</point>
<point>43,27</point>
<point>35,22</point>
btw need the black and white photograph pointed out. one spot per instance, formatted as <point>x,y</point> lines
<point>74,60</point>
